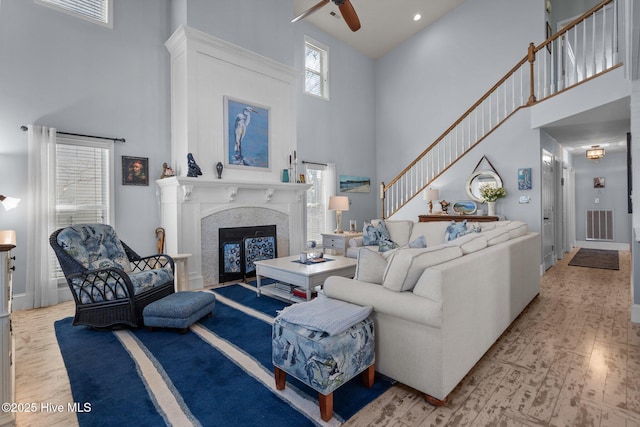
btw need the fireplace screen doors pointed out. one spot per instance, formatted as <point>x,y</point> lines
<point>240,247</point>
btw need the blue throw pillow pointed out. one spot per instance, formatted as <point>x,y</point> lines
<point>419,242</point>
<point>372,234</point>
<point>386,244</point>
<point>455,230</point>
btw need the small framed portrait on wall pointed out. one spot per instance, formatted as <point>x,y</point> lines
<point>598,182</point>
<point>135,170</point>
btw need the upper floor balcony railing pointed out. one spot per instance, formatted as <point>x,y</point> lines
<point>582,50</point>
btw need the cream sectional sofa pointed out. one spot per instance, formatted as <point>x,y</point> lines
<point>437,310</point>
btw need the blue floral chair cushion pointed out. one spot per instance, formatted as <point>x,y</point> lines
<point>113,289</point>
<point>94,246</point>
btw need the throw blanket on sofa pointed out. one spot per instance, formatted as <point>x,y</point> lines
<point>325,314</point>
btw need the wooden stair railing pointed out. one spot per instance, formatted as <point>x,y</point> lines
<point>587,47</point>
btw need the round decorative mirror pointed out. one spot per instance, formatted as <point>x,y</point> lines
<point>480,178</point>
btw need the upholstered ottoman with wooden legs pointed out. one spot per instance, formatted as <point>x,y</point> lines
<point>323,343</point>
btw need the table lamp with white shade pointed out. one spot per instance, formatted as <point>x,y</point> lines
<point>338,204</point>
<point>430,195</point>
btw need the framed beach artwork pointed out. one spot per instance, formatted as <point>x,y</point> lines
<point>247,141</point>
<point>465,207</point>
<point>355,184</point>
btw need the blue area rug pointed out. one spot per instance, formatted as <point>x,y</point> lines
<point>218,373</point>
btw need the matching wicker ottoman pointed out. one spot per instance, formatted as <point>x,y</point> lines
<point>323,361</point>
<point>178,310</point>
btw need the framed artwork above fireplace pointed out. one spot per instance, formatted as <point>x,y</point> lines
<point>247,134</point>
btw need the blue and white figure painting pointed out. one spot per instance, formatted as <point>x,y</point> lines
<point>247,134</point>
<point>524,179</point>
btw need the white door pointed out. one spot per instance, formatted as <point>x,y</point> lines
<point>548,197</point>
<point>558,205</point>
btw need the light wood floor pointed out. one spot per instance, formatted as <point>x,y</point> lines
<point>572,358</point>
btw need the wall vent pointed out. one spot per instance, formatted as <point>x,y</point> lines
<point>599,224</point>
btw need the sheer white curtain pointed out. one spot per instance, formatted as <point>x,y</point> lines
<point>41,284</point>
<point>322,178</point>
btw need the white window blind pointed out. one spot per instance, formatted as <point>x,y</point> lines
<point>323,183</point>
<point>83,189</point>
<point>99,11</point>
<point>316,81</point>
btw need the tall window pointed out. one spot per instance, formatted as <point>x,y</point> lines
<point>323,185</point>
<point>97,11</point>
<point>316,67</point>
<point>84,184</point>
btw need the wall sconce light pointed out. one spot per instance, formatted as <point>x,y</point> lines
<point>430,195</point>
<point>595,152</point>
<point>338,204</point>
<point>9,202</point>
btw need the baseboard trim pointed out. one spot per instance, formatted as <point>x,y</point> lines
<point>25,302</point>
<point>603,245</point>
<point>635,313</point>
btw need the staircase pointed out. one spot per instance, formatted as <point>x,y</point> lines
<point>583,50</point>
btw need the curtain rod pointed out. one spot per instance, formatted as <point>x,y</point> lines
<point>24,128</point>
<point>304,162</point>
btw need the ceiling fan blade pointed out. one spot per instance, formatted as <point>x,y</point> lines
<point>310,10</point>
<point>349,15</point>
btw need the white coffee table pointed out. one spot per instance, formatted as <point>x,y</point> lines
<point>302,275</point>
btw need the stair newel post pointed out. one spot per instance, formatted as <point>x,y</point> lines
<point>531,57</point>
<point>382,195</point>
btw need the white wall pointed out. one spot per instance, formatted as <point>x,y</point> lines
<point>613,167</point>
<point>340,130</point>
<point>80,77</point>
<point>523,145</point>
<point>428,82</point>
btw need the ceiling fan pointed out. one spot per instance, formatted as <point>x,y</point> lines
<point>346,9</point>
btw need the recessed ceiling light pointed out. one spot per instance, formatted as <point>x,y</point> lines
<point>417,17</point>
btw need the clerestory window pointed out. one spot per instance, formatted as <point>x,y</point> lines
<point>97,11</point>
<point>316,64</point>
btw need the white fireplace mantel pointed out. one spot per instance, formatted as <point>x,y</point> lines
<point>185,201</point>
<point>205,71</point>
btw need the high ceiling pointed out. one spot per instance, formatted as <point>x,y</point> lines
<point>388,23</point>
<point>385,23</point>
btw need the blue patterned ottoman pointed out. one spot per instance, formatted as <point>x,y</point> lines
<point>320,355</point>
<point>178,310</point>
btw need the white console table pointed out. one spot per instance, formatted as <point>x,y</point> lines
<point>7,344</point>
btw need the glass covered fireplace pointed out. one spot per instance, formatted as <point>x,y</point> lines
<point>239,247</point>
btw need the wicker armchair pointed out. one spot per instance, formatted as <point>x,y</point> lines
<point>110,283</point>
